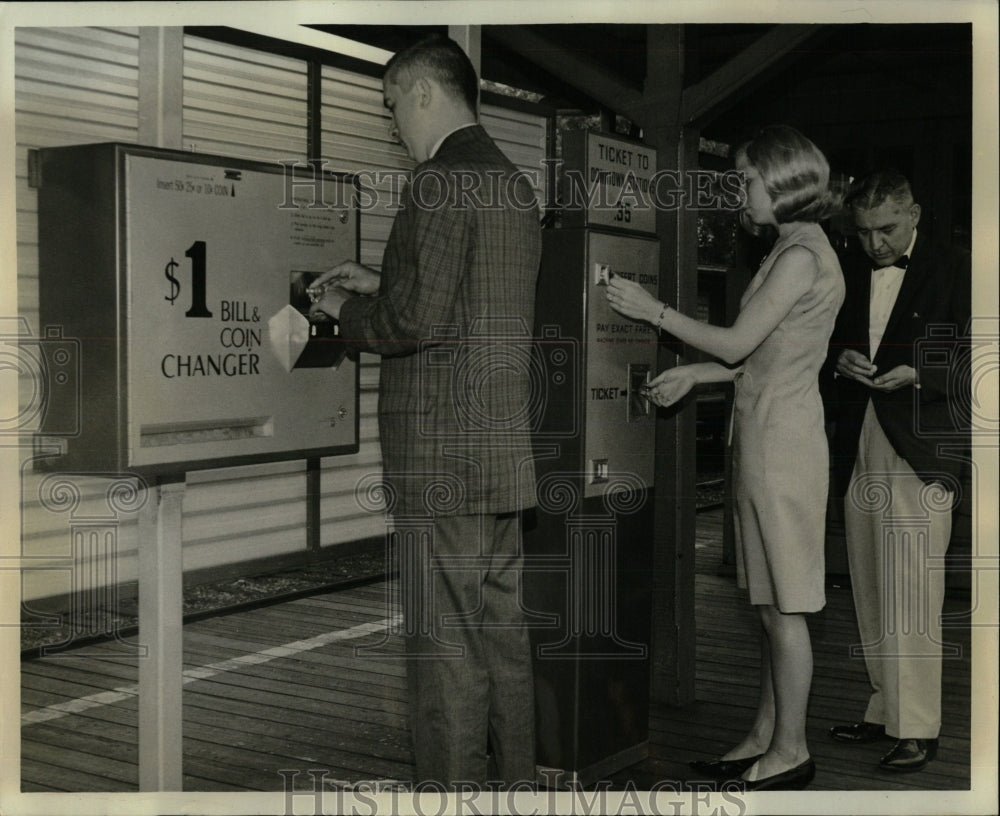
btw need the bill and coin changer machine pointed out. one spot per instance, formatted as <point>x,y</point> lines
<point>173,289</point>
<point>588,551</point>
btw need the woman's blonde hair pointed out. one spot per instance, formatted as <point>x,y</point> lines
<point>795,172</point>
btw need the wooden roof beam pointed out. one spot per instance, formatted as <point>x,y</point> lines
<point>586,76</point>
<point>718,89</point>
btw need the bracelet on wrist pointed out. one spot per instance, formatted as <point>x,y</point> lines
<point>663,314</point>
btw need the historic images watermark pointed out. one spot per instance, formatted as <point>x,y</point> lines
<point>663,798</point>
<point>44,370</point>
<point>964,362</point>
<point>428,188</point>
<point>587,623</point>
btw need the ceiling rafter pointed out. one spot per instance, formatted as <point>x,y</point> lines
<point>698,102</point>
<point>599,84</point>
<point>719,88</point>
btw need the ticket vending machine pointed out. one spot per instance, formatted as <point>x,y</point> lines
<point>173,287</point>
<point>588,551</point>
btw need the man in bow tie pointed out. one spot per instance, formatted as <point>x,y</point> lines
<point>900,352</point>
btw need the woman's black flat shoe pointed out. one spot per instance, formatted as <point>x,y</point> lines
<point>793,779</point>
<point>723,768</point>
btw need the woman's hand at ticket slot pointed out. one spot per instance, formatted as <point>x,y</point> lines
<point>630,299</point>
<point>351,276</point>
<point>671,386</point>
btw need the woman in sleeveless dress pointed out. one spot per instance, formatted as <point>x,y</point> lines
<point>773,353</point>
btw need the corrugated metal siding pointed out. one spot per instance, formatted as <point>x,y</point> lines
<point>521,136</point>
<point>80,85</point>
<point>251,105</point>
<point>355,139</point>
<point>243,103</point>
<point>72,86</point>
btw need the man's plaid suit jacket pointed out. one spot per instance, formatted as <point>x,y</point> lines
<point>452,321</point>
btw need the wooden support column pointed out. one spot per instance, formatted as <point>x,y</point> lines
<point>671,117</point>
<point>161,86</point>
<point>673,641</point>
<point>470,38</point>
<point>161,635</point>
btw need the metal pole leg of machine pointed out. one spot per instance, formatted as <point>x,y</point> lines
<point>160,632</point>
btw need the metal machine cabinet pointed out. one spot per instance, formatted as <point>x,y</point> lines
<point>588,549</point>
<point>174,305</point>
<point>172,289</point>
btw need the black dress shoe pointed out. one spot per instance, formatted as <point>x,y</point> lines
<point>909,755</point>
<point>858,732</point>
<point>723,768</point>
<point>793,779</point>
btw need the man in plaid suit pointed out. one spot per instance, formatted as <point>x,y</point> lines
<point>451,314</point>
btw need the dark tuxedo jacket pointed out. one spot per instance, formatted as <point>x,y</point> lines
<point>452,321</point>
<point>928,329</point>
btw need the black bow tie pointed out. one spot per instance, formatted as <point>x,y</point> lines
<point>902,262</point>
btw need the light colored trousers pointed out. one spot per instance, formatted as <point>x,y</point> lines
<point>898,528</point>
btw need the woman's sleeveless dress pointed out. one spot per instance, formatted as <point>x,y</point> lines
<point>780,452</point>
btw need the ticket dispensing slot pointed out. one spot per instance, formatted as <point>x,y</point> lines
<point>638,399</point>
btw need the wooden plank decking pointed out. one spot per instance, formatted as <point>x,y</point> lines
<point>283,689</point>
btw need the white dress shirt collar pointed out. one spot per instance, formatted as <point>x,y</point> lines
<point>884,290</point>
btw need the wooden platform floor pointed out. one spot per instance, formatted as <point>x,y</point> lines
<point>314,684</point>
<point>727,683</point>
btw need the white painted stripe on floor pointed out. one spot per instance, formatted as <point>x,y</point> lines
<point>58,710</point>
<point>54,712</point>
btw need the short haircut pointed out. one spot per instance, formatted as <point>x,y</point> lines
<point>438,58</point>
<point>795,172</point>
<point>876,188</point>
